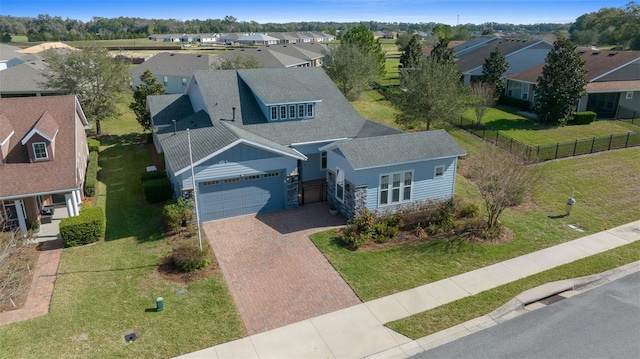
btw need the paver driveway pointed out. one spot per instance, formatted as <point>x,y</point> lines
<point>275,273</point>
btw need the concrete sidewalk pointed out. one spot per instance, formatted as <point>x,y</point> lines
<point>359,331</point>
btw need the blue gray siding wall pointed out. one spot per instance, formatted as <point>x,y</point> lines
<point>425,186</point>
<point>238,153</point>
<point>195,96</point>
<point>233,169</point>
<point>311,168</point>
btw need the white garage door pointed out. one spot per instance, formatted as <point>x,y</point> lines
<point>236,196</point>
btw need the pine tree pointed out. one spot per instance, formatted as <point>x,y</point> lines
<point>442,52</point>
<point>411,53</point>
<point>149,87</point>
<point>561,85</point>
<point>363,38</point>
<point>493,69</point>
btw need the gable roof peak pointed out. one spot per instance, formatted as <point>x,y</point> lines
<point>46,127</point>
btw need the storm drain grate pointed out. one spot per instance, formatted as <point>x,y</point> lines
<point>552,299</point>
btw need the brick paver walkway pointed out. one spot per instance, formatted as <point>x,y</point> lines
<point>275,273</point>
<point>41,290</point>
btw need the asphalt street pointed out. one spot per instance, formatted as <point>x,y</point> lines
<point>600,323</point>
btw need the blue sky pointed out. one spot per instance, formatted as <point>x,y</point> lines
<point>280,11</point>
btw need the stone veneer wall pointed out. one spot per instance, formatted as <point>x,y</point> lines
<point>292,191</point>
<point>355,197</point>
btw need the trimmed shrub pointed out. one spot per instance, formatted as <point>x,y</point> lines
<point>92,175</point>
<point>157,190</point>
<point>94,145</point>
<point>189,257</point>
<point>177,213</point>
<point>514,102</point>
<point>86,228</point>
<point>146,176</point>
<point>353,240</point>
<point>583,118</point>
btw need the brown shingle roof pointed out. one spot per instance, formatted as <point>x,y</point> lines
<point>20,177</point>
<point>597,64</point>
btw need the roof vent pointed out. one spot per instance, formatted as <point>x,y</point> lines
<point>199,55</point>
<point>171,54</point>
<point>595,53</point>
<point>612,53</point>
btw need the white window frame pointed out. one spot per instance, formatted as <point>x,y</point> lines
<point>274,112</point>
<point>435,171</point>
<point>310,110</point>
<point>292,111</point>
<point>339,184</point>
<point>629,95</point>
<point>386,190</point>
<point>35,152</point>
<point>283,112</point>
<point>165,80</point>
<point>323,160</point>
<point>301,111</point>
<point>184,81</point>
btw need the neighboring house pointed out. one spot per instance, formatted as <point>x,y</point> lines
<point>171,70</point>
<point>25,78</point>
<point>613,88</point>
<point>285,55</point>
<point>43,157</point>
<point>275,138</point>
<point>520,54</point>
<point>258,39</point>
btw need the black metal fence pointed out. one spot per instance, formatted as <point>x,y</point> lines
<point>551,151</point>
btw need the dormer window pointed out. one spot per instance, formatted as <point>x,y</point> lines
<point>301,111</point>
<point>292,111</point>
<point>40,151</point>
<point>283,112</point>
<point>274,113</point>
<point>309,110</point>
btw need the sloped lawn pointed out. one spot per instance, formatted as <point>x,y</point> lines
<point>109,289</point>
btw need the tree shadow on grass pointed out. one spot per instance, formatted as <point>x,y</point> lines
<point>122,162</point>
<point>522,124</point>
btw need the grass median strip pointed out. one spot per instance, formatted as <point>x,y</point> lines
<point>462,310</point>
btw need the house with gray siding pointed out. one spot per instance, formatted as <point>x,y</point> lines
<point>172,70</point>
<point>277,138</point>
<point>613,84</point>
<point>521,55</point>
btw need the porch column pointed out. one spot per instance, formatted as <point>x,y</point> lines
<point>72,205</point>
<point>78,196</point>
<point>21,215</point>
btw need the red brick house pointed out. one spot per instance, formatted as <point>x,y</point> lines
<point>43,157</point>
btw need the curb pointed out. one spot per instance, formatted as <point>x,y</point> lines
<point>521,304</point>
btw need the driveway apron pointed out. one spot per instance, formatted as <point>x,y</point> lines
<point>275,273</point>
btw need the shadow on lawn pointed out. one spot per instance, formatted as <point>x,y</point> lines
<point>521,124</point>
<point>120,167</point>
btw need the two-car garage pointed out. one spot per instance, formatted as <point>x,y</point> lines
<point>244,194</point>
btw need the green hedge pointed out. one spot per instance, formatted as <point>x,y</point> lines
<point>86,228</point>
<point>92,175</point>
<point>583,118</point>
<point>94,145</point>
<point>157,190</point>
<point>146,176</point>
<point>514,102</point>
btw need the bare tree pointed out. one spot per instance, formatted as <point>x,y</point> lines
<point>483,96</point>
<point>503,179</point>
<point>14,265</point>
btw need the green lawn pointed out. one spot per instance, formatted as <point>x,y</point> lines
<point>374,106</point>
<point>536,226</point>
<point>468,308</point>
<point>392,75</point>
<point>533,133</point>
<point>106,290</point>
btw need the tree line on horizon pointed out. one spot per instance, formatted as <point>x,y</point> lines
<point>54,28</point>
